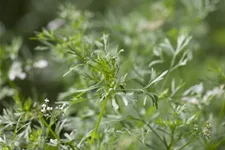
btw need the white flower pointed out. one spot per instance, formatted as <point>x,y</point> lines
<point>63,105</point>
<point>53,142</point>
<point>49,108</point>
<point>43,105</point>
<point>46,115</point>
<point>43,110</point>
<point>46,100</point>
<point>41,64</point>
<point>16,71</point>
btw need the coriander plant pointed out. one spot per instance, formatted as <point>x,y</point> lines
<point>124,82</point>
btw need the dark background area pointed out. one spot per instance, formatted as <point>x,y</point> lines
<point>23,17</point>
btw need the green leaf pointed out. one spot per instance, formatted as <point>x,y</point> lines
<point>159,78</point>
<point>27,104</point>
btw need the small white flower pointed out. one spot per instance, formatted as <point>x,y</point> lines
<point>16,71</point>
<point>63,106</point>
<point>43,110</point>
<point>49,108</point>
<point>43,105</point>
<point>53,141</point>
<point>46,100</point>
<point>41,64</point>
<point>46,115</point>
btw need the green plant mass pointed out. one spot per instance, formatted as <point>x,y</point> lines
<point>113,75</point>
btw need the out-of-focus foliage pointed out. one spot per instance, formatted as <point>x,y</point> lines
<point>137,74</point>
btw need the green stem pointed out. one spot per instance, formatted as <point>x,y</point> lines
<point>169,71</point>
<point>182,147</point>
<point>157,135</point>
<point>49,128</point>
<point>94,133</point>
<point>220,143</point>
<point>172,138</point>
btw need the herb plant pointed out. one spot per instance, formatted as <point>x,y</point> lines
<point>124,84</point>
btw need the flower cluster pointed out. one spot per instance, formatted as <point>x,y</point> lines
<point>45,109</point>
<point>61,107</point>
<point>207,130</point>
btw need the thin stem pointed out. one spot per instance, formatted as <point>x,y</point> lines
<point>49,128</point>
<point>164,142</point>
<point>169,71</point>
<point>172,138</point>
<point>220,142</point>
<point>93,135</point>
<point>182,147</point>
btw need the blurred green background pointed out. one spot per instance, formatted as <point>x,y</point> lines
<point>21,18</point>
